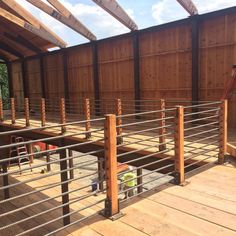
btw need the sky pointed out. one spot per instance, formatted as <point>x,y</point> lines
<point>144,13</point>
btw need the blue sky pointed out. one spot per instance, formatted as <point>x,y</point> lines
<point>145,14</point>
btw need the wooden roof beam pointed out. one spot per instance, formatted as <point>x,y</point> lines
<point>27,16</point>
<point>68,20</point>
<point>23,42</point>
<point>189,6</point>
<point>114,9</point>
<point>27,26</point>
<point>5,47</point>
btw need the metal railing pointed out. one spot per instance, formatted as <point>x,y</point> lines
<point>140,146</point>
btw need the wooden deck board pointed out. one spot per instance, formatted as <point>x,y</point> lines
<point>206,206</point>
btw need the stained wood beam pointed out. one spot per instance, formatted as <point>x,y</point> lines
<point>27,26</point>
<point>189,6</point>
<point>22,41</point>
<point>11,50</point>
<point>114,9</point>
<point>28,17</point>
<point>69,21</point>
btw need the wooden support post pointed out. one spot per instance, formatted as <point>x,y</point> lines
<point>119,120</point>
<point>162,130</point>
<point>71,164</point>
<point>13,111</point>
<point>179,145</point>
<point>63,115</point>
<point>24,68</point>
<point>10,79</point>
<point>31,151</point>
<point>1,111</point>
<point>87,117</point>
<point>42,76</point>
<point>48,158</point>
<point>101,173</point>
<point>43,112</point>
<point>140,180</point>
<point>5,181</point>
<point>64,186</point>
<point>223,131</point>
<point>27,113</point>
<point>111,204</point>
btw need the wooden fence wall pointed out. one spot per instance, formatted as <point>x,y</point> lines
<point>164,61</point>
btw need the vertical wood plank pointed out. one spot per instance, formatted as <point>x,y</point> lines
<point>87,117</point>
<point>25,78</point>
<point>10,79</point>
<point>48,158</point>
<point>42,77</point>
<point>223,131</point>
<point>140,180</point>
<point>112,206</point>
<point>162,123</point>
<point>71,164</point>
<point>13,111</point>
<point>179,145</point>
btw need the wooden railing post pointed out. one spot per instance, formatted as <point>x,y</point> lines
<point>13,111</point>
<point>27,113</point>
<point>63,115</point>
<point>1,111</point>
<point>43,112</point>
<point>119,120</point>
<point>87,117</point>
<point>48,158</point>
<point>179,145</point>
<point>162,130</point>
<point>223,131</point>
<point>111,203</point>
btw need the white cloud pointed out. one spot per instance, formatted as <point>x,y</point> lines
<point>167,10</point>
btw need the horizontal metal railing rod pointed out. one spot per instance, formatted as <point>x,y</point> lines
<point>148,173</point>
<point>203,132</point>
<point>61,217</point>
<point>201,112</point>
<point>49,198</point>
<point>200,126</point>
<point>144,122</point>
<point>50,162</point>
<point>154,187</point>
<point>145,130</point>
<point>40,177</point>
<point>199,161</point>
<point>145,148</point>
<point>48,151</point>
<point>205,104</point>
<point>45,188</point>
<point>200,119</point>
<point>144,140</point>
<point>49,126</point>
<point>147,182</point>
<point>148,164</point>
<point>50,138</point>
<point>200,153</point>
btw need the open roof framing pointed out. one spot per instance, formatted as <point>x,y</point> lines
<point>23,35</point>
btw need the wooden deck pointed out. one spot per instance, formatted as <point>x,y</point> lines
<point>205,206</point>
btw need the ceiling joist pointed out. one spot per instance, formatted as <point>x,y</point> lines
<point>69,21</point>
<point>189,6</point>
<point>22,41</point>
<point>113,8</point>
<point>5,47</point>
<point>28,17</point>
<point>25,25</point>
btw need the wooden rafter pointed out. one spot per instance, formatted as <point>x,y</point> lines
<point>28,17</point>
<point>64,11</point>
<point>27,26</point>
<point>22,41</point>
<point>113,8</point>
<point>69,21</point>
<point>5,47</point>
<point>189,6</point>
